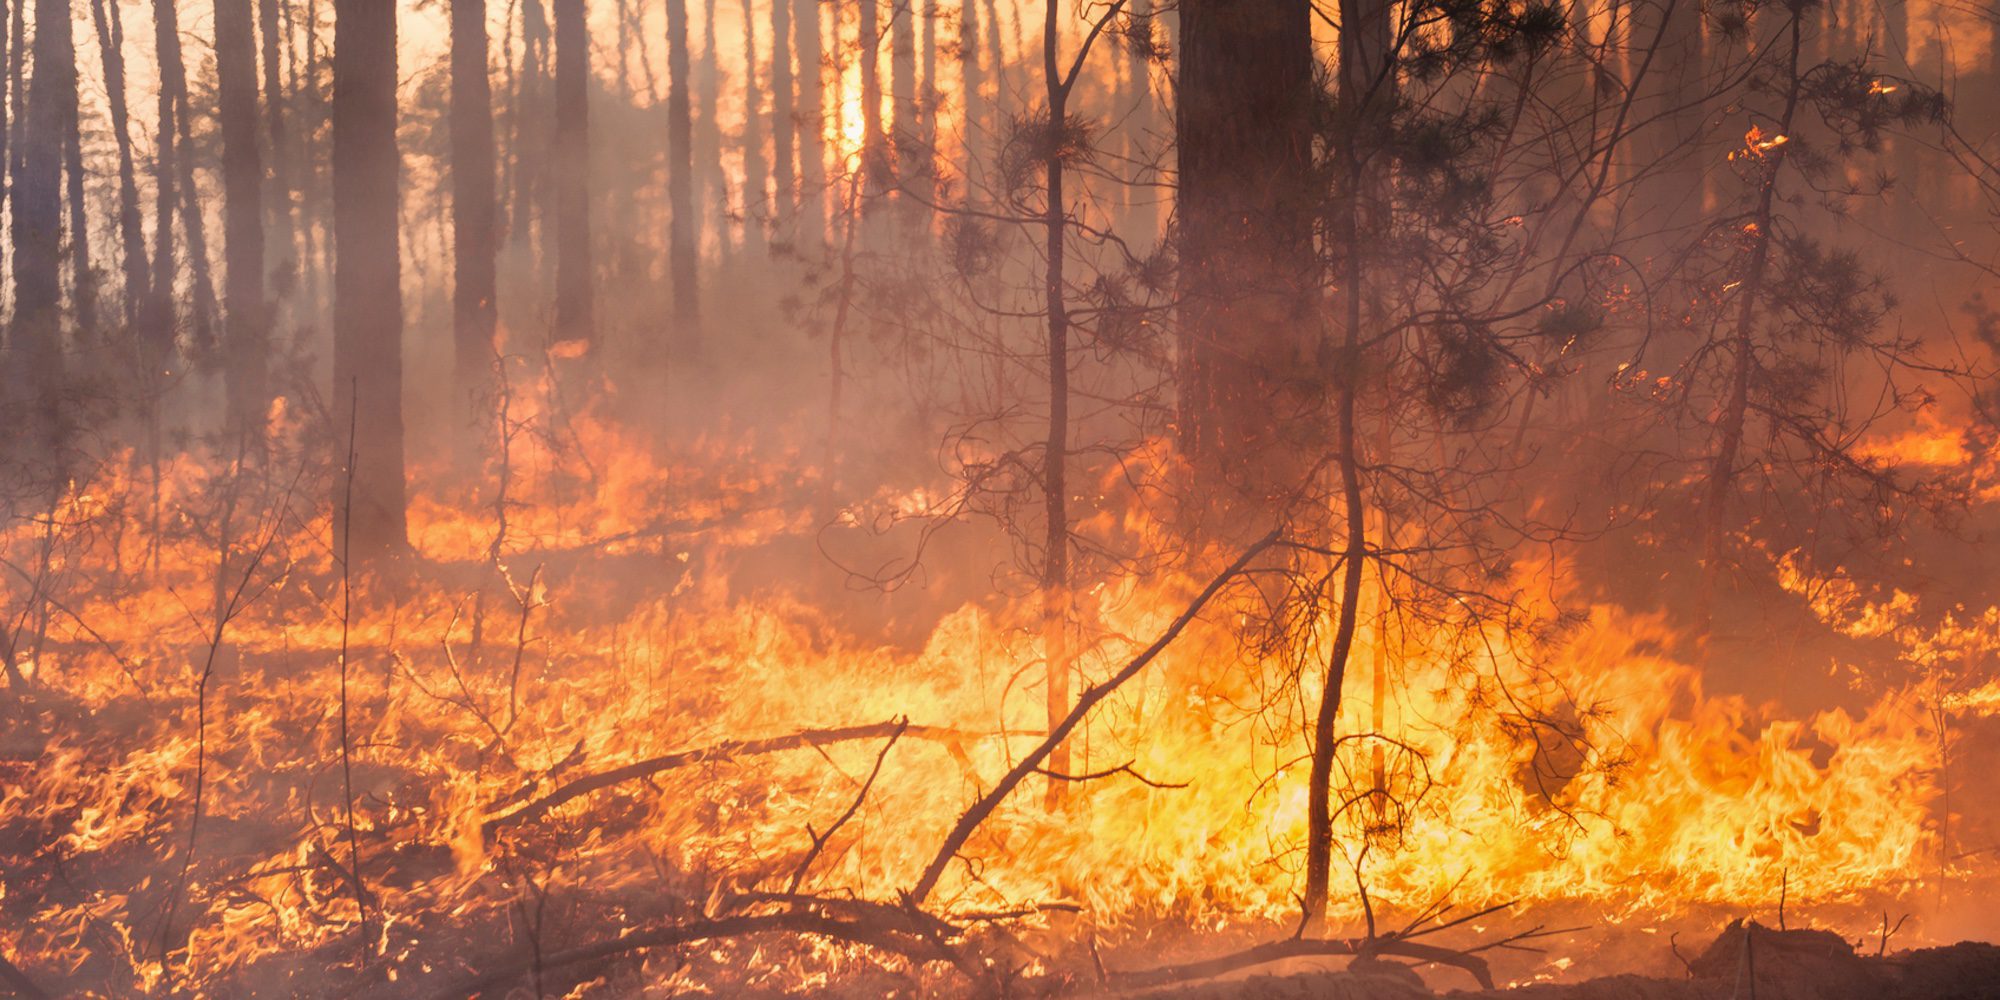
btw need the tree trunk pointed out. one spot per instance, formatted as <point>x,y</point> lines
<point>756,205</point>
<point>876,167</point>
<point>574,320</point>
<point>1367,87</point>
<point>174,107</point>
<point>708,141</point>
<point>249,334</point>
<point>83,280</point>
<point>157,317</point>
<point>1055,449</point>
<point>367,278</point>
<point>9,106</point>
<point>473,222</point>
<point>530,140</point>
<point>902,92</point>
<point>972,94</point>
<point>682,250</point>
<point>1247,393</point>
<point>35,368</point>
<point>811,121</point>
<point>784,177</point>
<point>282,259</point>
<point>131,228</point>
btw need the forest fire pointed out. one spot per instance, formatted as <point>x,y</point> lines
<point>996,499</point>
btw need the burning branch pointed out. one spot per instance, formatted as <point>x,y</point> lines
<point>725,750</point>
<point>969,821</point>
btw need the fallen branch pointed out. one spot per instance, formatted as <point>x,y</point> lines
<point>725,750</point>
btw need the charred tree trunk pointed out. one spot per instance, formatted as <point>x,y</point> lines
<point>474,225</point>
<point>682,250</point>
<point>1055,449</point>
<point>249,335</point>
<point>35,345</point>
<point>35,365</point>
<point>367,278</point>
<point>784,176</point>
<point>574,321</point>
<point>131,228</point>
<point>1246,253</point>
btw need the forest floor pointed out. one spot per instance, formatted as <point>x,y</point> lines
<point>1780,965</point>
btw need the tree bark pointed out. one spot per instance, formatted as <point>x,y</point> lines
<point>574,319</point>
<point>1246,253</point>
<point>474,224</point>
<point>131,227</point>
<point>157,317</point>
<point>174,108</point>
<point>248,328</point>
<point>876,166</point>
<point>367,279</point>
<point>530,118</point>
<point>282,257</point>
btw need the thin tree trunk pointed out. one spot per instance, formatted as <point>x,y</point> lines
<point>282,259</point>
<point>682,260</point>
<point>249,333</point>
<point>784,176</point>
<point>131,227</point>
<point>902,91</point>
<point>876,167</point>
<point>1055,449</point>
<point>756,207</point>
<point>972,94</point>
<point>1735,414</point>
<point>811,120</point>
<point>367,279</point>
<point>529,118</point>
<point>574,320</point>
<point>83,280</point>
<point>174,107</point>
<point>157,319</point>
<point>708,140</point>
<point>473,222</point>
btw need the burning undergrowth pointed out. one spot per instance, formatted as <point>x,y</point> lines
<point>573,742</point>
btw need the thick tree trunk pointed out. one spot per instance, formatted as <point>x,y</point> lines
<point>682,250</point>
<point>574,320</point>
<point>131,228</point>
<point>249,334</point>
<point>1249,400</point>
<point>474,224</point>
<point>367,279</point>
<point>9,97</point>
<point>35,362</point>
